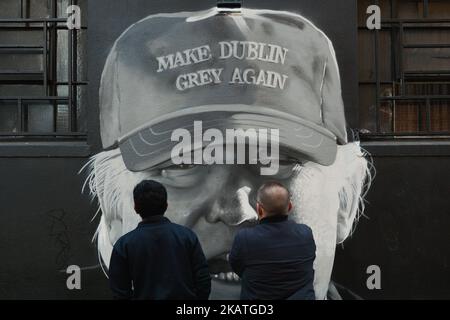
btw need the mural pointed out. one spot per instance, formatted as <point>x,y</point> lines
<point>254,69</point>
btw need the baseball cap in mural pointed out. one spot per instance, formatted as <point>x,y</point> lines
<point>255,69</point>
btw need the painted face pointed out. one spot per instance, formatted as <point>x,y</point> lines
<point>216,201</point>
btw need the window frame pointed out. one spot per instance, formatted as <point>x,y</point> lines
<point>427,141</point>
<point>22,142</point>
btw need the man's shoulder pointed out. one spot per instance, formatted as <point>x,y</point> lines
<point>126,237</point>
<point>305,232</point>
<point>303,227</point>
<point>182,229</point>
<point>121,243</point>
<point>244,232</point>
<point>135,234</point>
<point>167,224</point>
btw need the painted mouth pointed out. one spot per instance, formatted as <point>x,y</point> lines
<point>220,270</point>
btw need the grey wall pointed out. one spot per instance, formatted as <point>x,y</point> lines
<point>45,227</point>
<point>406,232</point>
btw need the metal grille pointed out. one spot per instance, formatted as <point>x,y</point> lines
<point>40,80</point>
<point>404,70</point>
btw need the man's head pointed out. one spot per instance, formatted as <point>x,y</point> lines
<point>150,199</point>
<point>273,199</point>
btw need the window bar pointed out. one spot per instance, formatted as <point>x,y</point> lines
<point>419,123</point>
<point>428,46</point>
<point>24,116</point>
<point>428,111</point>
<point>394,117</point>
<point>426,8</point>
<point>377,80</point>
<point>35,99</point>
<point>27,11</point>
<point>52,90</point>
<point>19,115</point>
<point>45,59</point>
<point>74,77</point>
<point>394,31</point>
<point>401,48</point>
<point>408,134</point>
<point>70,76</point>
<point>43,134</point>
<point>69,79</point>
<point>417,97</point>
<point>21,9</point>
<point>75,83</point>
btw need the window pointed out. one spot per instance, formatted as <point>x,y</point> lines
<point>404,70</point>
<point>43,71</point>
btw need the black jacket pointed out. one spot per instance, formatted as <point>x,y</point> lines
<point>275,260</point>
<point>159,260</point>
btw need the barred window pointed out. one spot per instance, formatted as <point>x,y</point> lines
<point>43,71</point>
<point>404,70</point>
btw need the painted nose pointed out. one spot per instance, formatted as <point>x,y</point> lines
<point>233,209</point>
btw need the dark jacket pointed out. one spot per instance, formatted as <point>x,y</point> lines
<point>275,260</point>
<point>159,260</point>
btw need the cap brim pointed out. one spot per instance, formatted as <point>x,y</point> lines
<point>151,146</point>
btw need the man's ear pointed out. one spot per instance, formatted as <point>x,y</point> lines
<point>290,206</point>
<point>259,210</point>
<point>137,208</point>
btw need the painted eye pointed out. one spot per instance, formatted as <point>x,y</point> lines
<point>180,167</point>
<point>286,169</point>
<point>182,176</point>
<point>179,170</point>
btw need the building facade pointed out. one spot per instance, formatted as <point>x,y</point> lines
<point>396,91</point>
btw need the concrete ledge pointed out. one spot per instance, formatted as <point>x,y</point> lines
<point>407,148</point>
<point>64,149</point>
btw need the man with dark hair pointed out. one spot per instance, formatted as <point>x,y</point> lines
<point>159,260</point>
<point>275,258</point>
<point>150,199</point>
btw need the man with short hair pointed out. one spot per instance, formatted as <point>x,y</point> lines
<point>159,260</point>
<point>275,258</point>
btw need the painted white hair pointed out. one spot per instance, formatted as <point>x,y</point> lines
<point>108,181</point>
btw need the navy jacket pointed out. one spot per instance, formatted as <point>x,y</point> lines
<point>275,260</point>
<point>159,260</point>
